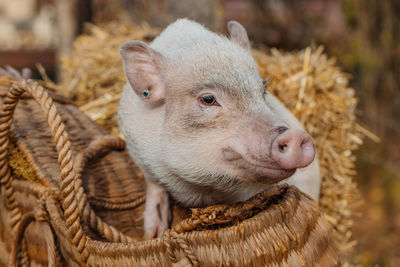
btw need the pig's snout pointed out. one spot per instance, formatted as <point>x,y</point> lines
<point>293,149</point>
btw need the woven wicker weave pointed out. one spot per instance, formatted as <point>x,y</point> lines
<point>70,195</point>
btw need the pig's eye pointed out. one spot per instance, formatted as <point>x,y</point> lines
<point>208,100</point>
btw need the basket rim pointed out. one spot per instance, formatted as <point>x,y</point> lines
<point>291,198</point>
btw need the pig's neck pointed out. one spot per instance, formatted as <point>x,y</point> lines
<point>196,195</point>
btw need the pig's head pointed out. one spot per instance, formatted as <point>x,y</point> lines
<point>219,125</point>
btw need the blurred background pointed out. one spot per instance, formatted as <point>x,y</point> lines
<point>363,36</point>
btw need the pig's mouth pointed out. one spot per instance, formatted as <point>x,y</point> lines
<point>258,171</point>
<point>261,174</point>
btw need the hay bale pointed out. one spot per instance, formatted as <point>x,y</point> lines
<point>307,82</point>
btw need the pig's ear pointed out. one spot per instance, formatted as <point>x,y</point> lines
<point>142,66</point>
<point>238,34</point>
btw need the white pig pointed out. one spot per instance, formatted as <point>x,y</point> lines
<point>201,126</point>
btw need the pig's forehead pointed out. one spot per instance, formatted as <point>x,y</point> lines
<point>217,62</point>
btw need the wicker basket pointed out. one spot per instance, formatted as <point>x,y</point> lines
<point>70,195</point>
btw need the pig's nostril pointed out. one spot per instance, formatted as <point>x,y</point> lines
<point>283,147</point>
<point>281,129</point>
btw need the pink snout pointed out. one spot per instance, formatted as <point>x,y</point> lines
<point>293,149</point>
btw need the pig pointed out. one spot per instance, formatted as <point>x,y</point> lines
<point>200,124</point>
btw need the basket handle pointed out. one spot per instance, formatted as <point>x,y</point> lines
<point>68,174</point>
